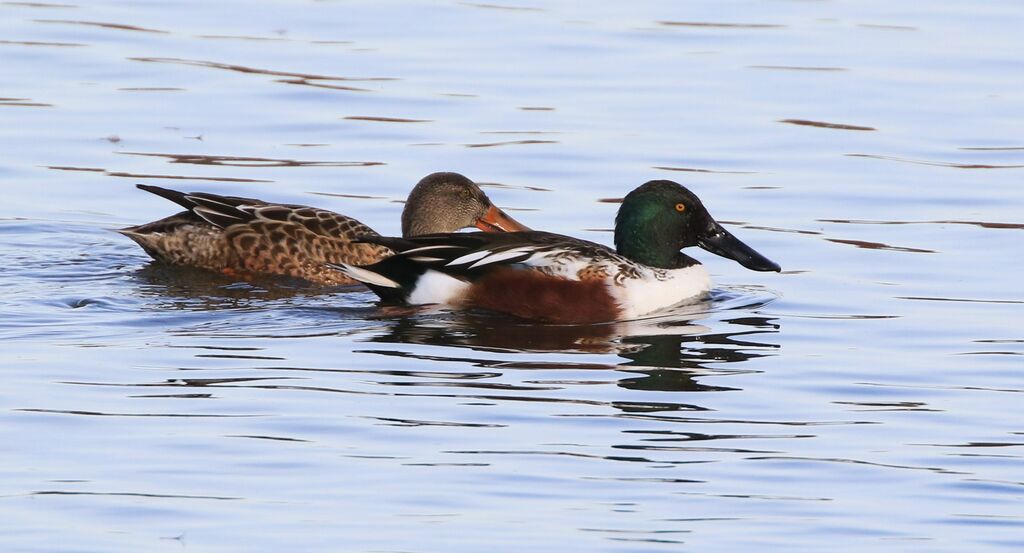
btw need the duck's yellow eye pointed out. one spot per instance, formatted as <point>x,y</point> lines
<point>680,207</point>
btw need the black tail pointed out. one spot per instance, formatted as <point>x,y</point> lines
<point>179,198</point>
<point>219,211</point>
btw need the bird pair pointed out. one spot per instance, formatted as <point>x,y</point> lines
<point>510,268</point>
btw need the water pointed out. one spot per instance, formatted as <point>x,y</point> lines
<point>867,398</point>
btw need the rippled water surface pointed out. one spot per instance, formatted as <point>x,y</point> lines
<point>867,398</point>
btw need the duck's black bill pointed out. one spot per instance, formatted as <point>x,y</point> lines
<point>721,242</point>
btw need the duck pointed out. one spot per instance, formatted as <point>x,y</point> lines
<point>245,237</point>
<point>552,278</point>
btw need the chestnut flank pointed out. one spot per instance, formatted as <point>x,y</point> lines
<point>540,297</point>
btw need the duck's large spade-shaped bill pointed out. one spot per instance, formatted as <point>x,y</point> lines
<point>719,241</point>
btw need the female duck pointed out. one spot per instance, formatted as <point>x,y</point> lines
<point>554,278</point>
<point>246,236</point>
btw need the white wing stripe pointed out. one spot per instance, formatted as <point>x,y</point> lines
<point>206,213</point>
<point>429,248</point>
<point>468,258</point>
<point>501,256</point>
<point>200,201</point>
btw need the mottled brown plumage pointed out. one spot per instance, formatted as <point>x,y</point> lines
<point>243,236</point>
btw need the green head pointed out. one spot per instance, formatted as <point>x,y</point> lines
<point>662,217</point>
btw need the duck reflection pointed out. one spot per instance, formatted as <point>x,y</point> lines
<point>185,288</point>
<point>663,355</point>
<point>667,353</point>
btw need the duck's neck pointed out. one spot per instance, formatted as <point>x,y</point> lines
<point>658,257</point>
<point>418,220</point>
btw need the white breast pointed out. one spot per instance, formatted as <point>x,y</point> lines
<point>650,293</point>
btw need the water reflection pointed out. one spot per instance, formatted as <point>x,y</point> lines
<point>719,25</point>
<point>796,68</point>
<point>826,125</point>
<point>40,43</point>
<point>697,170</point>
<point>866,244</point>
<point>186,288</point>
<point>23,102</point>
<point>151,175</point>
<point>937,163</point>
<point>385,119</point>
<point>982,224</point>
<point>666,353</point>
<point>669,353</point>
<point>509,143</point>
<point>103,24</point>
<point>691,353</point>
<point>259,71</point>
<point>237,161</point>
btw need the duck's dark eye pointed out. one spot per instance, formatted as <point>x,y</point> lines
<point>680,207</point>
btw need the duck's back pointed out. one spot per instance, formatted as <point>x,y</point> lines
<point>247,236</point>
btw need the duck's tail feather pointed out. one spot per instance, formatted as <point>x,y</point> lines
<point>392,278</point>
<point>219,211</point>
<point>364,275</point>
<point>180,198</point>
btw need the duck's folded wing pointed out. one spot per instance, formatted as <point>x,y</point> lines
<point>470,255</point>
<point>296,221</point>
<point>219,211</point>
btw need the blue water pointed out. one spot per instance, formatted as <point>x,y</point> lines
<point>867,398</point>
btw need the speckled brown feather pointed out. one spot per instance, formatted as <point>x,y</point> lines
<point>302,244</point>
<point>286,240</point>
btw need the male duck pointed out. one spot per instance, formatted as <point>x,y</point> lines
<point>554,278</point>
<point>242,235</point>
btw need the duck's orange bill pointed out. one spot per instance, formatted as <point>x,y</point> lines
<point>496,220</point>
